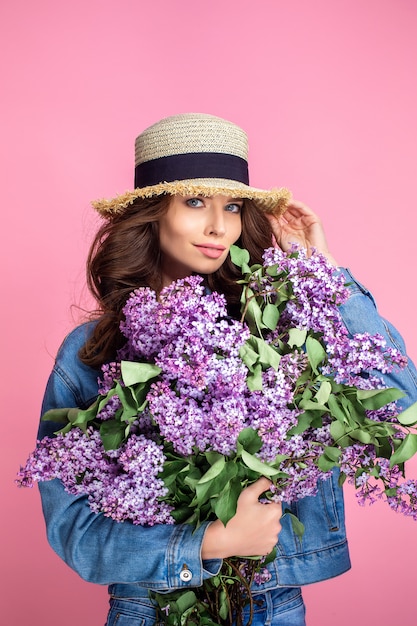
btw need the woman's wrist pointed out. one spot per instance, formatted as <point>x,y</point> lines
<point>330,258</point>
<point>212,546</point>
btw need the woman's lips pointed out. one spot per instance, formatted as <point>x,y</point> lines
<point>211,251</point>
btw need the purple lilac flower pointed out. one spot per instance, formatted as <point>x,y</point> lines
<point>349,357</point>
<point>263,576</point>
<point>149,325</point>
<point>208,421</point>
<point>359,462</point>
<point>405,500</point>
<point>268,410</point>
<point>317,288</point>
<point>110,409</point>
<point>135,493</point>
<point>66,457</point>
<point>122,484</point>
<point>201,399</point>
<point>109,373</point>
<point>139,326</point>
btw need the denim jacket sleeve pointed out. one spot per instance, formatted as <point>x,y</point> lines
<point>360,315</point>
<point>98,548</point>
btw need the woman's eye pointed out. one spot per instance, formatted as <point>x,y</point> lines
<point>194,202</point>
<point>234,207</point>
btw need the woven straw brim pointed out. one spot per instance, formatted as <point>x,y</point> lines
<point>272,201</point>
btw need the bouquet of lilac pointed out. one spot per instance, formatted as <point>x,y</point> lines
<point>199,405</point>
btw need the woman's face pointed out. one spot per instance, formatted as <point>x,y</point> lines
<point>196,233</point>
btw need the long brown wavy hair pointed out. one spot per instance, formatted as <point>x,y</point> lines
<point>125,255</point>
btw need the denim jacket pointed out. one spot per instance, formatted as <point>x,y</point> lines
<point>134,559</point>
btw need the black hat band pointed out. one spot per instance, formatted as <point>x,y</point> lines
<point>191,165</point>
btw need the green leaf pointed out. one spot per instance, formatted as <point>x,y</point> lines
<point>239,256</point>
<point>139,396</point>
<point>212,456</point>
<point>63,431</point>
<point>323,393</point>
<point>315,352</point>
<point>224,605</point>
<point>253,317</point>
<point>296,337</point>
<point>303,422</point>
<point>248,355</point>
<point>171,471</point>
<point>249,440</point>
<point>60,416</point>
<point>212,488</point>
<point>406,450</point>
<point>214,470</point>
<point>329,458</point>
<point>226,504</point>
<point>325,464</point>
<point>112,434</point>
<point>129,406</point>
<point>271,270</point>
<point>409,416</point>
<point>355,412</point>
<point>270,557</point>
<point>270,316</point>
<point>183,514</point>
<point>332,453</point>
<point>339,434</point>
<point>257,465</point>
<point>79,417</point>
<point>373,399</point>
<point>191,480</point>
<point>133,373</point>
<point>312,405</point>
<point>384,449</point>
<point>361,435</point>
<point>341,480</point>
<point>297,525</point>
<point>268,356</point>
<point>254,379</point>
<point>186,600</point>
<point>335,409</point>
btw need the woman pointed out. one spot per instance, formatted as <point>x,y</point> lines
<point>191,202</point>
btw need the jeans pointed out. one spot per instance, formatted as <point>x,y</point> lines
<point>280,607</point>
<point>283,606</point>
<point>131,612</point>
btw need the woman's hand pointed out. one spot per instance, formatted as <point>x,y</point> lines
<point>253,531</point>
<point>301,226</point>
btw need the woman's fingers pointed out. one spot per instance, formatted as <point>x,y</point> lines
<point>301,226</point>
<point>253,531</point>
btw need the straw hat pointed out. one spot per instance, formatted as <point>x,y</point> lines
<point>193,154</point>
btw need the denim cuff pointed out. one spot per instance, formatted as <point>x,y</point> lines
<point>184,565</point>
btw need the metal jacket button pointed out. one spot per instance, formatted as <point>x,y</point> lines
<point>186,575</point>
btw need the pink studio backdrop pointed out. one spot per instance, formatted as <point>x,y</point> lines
<point>328,95</point>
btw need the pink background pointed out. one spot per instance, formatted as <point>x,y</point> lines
<point>327,92</point>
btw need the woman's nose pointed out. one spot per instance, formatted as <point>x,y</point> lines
<point>216,224</point>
